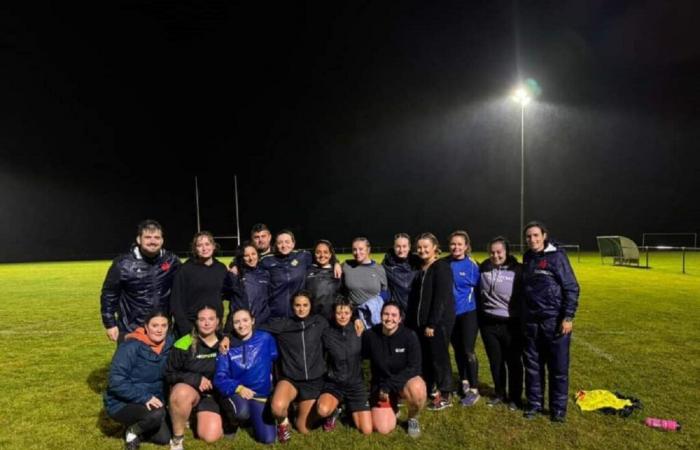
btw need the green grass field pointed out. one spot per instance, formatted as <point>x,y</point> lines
<point>636,332</point>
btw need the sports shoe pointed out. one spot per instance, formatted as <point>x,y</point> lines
<point>439,403</point>
<point>133,444</point>
<point>470,398</point>
<point>513,406</point>
<point>284,434</point>
<point>413,428</point>
<point>329,423</point>
<point>558,417</point>
<point>531,412</point>
<point>131,440</point>
<point>176,443</point>
<point>494,401</point>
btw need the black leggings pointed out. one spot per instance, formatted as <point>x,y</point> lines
<point>150,425</point>
<point>463,340</point>
<point>436,359</point>
<point>503,341</point>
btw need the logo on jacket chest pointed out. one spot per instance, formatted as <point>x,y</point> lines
<point>294,263</point>
<point>400,350</point>
<point>165,266</point>
<point>542,264</point>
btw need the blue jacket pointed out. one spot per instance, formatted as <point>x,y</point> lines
<point>287,276</point>
<point>250,290</point>
<point>247,363</point>
<point>136,375</point>
<point>466,278</point>
<point>135,286</point>
<point>549,283</point>
<point>400,274</point>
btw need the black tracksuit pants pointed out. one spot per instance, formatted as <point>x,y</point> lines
<point>503,340</point>
<point>150,425</point>
<point>437,368</point>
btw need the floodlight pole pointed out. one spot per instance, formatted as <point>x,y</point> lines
<point>522,97</point>
<point>522,174</point>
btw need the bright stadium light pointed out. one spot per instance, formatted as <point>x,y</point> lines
<point>523,95</point>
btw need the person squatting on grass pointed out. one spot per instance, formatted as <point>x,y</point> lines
<point>189,373</point>
<point>431,314</point>
<point>244,376</point>
<point>500,320</point>
<point>199,282</point>
<point>302,366</point>
<point>344,381</point>
<point>465,273</point>
<point>401,267</point>
<point>138,283</point>
<point>135,391</point>
<point>395,361</point>
<point>364,282</point>
<point>551,293</point>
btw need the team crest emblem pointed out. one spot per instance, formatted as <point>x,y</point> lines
<point>542,264</point>
<point>295,262</point>
<point>165,266</point>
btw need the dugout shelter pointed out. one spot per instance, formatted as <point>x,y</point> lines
<point>621,249</point>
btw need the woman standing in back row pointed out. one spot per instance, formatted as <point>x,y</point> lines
<point>500,321</point>
<point>365,282</point>
<point>431,313</point>
<point>401,267</point>
<point>466,279</point>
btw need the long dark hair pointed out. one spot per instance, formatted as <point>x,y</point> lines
<point>328,244</point>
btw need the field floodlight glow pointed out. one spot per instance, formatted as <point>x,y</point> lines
<point>521,96</point>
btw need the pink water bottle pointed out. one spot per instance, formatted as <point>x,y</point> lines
<point>662,424</point>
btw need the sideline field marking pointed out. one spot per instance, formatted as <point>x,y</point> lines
<point>593,349</point>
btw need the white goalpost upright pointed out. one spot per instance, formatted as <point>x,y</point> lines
<point>237,236</point>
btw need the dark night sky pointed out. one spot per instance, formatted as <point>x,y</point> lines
<point>344,119</point>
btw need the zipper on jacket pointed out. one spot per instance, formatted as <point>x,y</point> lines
<point>303,348</point>
<point>420,298</point>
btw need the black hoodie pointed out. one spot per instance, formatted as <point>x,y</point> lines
<point>299,346</point>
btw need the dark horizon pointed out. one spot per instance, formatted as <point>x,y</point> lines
<point>345,119</point>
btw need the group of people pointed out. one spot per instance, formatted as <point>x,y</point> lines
<point>300,324</point>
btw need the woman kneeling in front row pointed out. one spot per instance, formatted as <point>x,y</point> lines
<point>395,359</point>
<point>244,376</point>
<point>190,372</point>
<point>344,380</point>
<point>135,395</point>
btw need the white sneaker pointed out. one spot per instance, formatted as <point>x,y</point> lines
<point>413,427</point>
<point>176,443</point>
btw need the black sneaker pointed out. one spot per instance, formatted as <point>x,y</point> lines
<point>558,418</point>
<point>495,401</point>
<point>131,440</point>
<point>532,412</point>
<point>133,444</point>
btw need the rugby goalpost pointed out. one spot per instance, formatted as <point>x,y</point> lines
<point>237,236</point>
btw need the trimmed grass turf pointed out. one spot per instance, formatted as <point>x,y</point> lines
<point>636,332</point>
